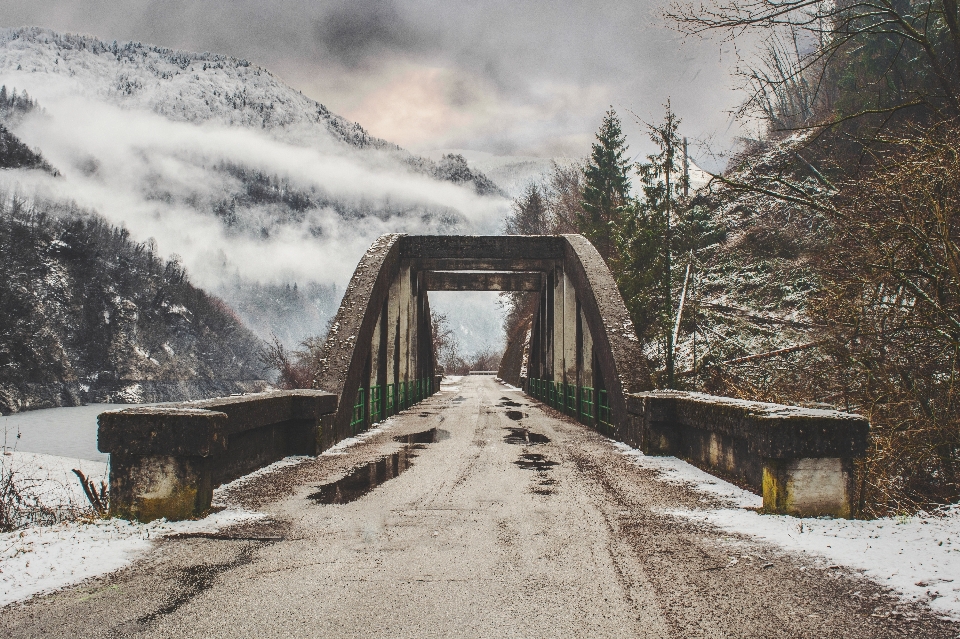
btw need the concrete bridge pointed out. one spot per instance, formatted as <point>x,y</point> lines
<point>577,353</point>
<point>478,509</point>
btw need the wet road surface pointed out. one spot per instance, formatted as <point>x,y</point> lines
<point>478,513</point>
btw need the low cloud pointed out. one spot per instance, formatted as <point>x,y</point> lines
<point>163,180</point>
<point>530,78</point>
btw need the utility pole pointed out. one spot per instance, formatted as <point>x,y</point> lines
<point>686,170</point>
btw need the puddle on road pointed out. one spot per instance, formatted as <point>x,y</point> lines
<point>545,487</point>
<point>431,436</point>
<point>535,461</point>
<point>365,478</point>
<point>506,401</point>
<point>524,437</point>
<point>515,415</point>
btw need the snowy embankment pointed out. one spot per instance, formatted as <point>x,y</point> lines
<point>918,557</point>
<point>40,559</point>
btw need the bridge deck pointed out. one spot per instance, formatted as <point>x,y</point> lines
<point>479,537</point>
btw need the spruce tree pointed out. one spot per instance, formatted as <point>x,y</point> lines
<point>664,183</point>
<point>529,214</point>
<point>606,191</point>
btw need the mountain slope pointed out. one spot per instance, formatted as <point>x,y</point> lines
<point>86,314</point>
<point>199,88</point>
<point>257,188</point>
<point>14,154</point>
<point>181,86</point>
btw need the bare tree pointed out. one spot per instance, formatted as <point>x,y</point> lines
<point>826,62</point>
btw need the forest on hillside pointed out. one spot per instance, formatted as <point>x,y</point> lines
<point>87,314</point>
<point>822,266</point>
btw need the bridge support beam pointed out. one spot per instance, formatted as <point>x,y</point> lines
<point>487,281</point>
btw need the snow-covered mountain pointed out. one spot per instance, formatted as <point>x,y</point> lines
<point>255,187</point>
<point>181,86</point>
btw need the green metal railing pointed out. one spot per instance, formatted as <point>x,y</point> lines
<point>390,406</point>
<point>589,405</point>
<point>359,409</point>
<point>375,403</point>
<point>572,400</point>
<point>604,414</point>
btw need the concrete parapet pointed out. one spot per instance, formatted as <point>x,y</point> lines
<point>799,459</point>
<point>165,460</point>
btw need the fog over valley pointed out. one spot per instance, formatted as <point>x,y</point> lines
<point>246,181</point>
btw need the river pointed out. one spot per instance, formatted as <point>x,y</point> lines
<point>67,432</point>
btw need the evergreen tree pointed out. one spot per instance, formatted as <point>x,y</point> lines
<point>529,214</point>
<point>646,238</point>
<point>606,193</point>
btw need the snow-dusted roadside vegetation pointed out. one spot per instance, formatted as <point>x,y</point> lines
<point>51,537</point>
<point>821,267</point>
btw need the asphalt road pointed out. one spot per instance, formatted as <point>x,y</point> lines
<point>514,523</point>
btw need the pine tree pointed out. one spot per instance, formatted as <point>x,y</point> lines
<point>647,238</point>
<point>529,214</point>
<point>606,186</point>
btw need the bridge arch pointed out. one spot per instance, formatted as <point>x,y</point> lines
<point>579,352</point>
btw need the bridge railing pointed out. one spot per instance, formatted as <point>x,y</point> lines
<point>374,404</point>
<point>800,460</point>
<point>165,460</point>
<point>588,405</point>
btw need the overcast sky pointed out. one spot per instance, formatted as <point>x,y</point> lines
<point>512,77</point>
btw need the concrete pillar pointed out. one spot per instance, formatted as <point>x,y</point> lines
<point>403,345</point>
<point>393,330</point>
<point>413,325</point>
<point>375,354</point>
<point>148,487</point>
<point>546,371</point>
<point>809,487</point>
<point>569,332</point>
<point>558,368</point>
<point>586,352</point>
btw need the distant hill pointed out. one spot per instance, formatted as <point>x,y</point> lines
<point>14,154</point>
<point>87,315</point>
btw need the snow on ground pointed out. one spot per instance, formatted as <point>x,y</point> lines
<point>918,557</point>
<point>46,558</point>
<point>677,471</point>
<point>41,559</point>
<point>509,387</point>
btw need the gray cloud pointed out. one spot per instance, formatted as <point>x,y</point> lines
<point>356,32</point>
<point>530,77</point>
